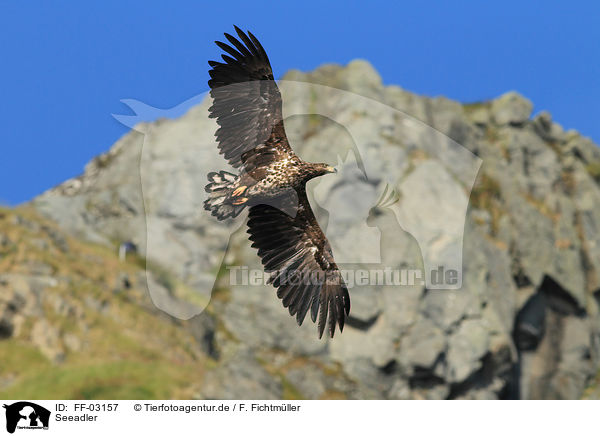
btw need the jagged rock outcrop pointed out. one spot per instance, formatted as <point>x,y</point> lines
<point>525,323</point>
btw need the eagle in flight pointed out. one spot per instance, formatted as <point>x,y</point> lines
<point>272,184</point>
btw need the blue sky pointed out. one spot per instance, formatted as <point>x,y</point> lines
<point>66,65</point>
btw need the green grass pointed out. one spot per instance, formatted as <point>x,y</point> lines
<point>127,380</point>
<point>594,170</point>
<point>127,351</point>
<point>18,356</point>
<point>486,194</point>
<point>117,366</point>
<point>290,392</point>
<point>472,107</point>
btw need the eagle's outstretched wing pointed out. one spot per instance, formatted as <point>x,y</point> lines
<point>296,252</point>
<point>247,104</point>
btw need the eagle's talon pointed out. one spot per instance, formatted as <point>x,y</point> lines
<point>239,191</point>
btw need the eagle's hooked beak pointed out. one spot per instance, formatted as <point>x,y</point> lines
<point>331,169</point>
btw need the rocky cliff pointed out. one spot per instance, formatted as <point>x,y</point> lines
<point>525,323</point>
<point>76,322</point>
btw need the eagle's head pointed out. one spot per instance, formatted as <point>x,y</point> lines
<point>321,169</point>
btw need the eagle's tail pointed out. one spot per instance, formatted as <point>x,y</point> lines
<point>219,200</point>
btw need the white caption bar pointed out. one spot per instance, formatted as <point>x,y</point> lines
<point>250,417</point>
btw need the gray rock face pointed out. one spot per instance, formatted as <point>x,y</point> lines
<point>525,321</point>
<point>511,108</point>
<point>47,339</point>
<point>21,299</point>
<point>241,377</point>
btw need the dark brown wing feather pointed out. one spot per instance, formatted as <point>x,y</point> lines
<point>247,104</point>
<point>296,244</point>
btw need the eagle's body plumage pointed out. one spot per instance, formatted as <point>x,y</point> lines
<point>272,183</point>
